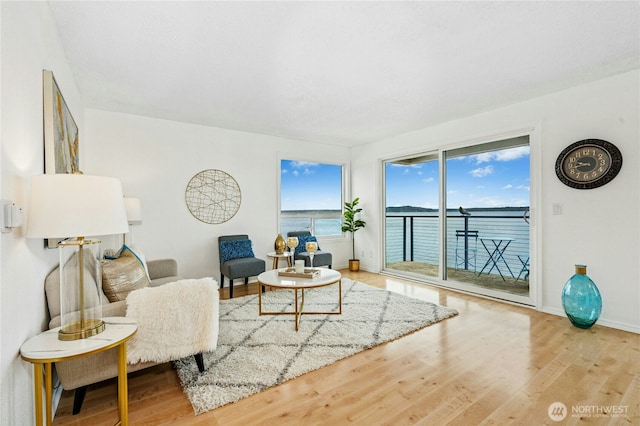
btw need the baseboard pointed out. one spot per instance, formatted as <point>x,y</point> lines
<point>601,321</point>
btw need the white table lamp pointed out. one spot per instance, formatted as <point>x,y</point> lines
<point>77,205</point>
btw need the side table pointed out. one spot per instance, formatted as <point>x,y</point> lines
<point>276,258</point>
<point>43,349</point>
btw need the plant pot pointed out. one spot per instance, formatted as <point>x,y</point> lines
<point>354,265</point>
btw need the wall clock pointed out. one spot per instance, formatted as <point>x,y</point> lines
<point>588,164</point>
<point>213,196</point>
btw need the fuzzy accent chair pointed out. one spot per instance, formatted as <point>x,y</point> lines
<point>79,373</point>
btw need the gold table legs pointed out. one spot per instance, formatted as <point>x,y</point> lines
<point>123,395</point>
<point>299,308</point>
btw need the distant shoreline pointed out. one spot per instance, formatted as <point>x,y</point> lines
<point>409,209</point>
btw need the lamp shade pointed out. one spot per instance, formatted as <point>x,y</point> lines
<point>73,205</point>
<point>134,210</point>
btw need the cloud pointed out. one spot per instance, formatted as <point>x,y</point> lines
<point>428,180</point>
<point>481,171</point>
<point>508,186</point>
<point>502,155</point>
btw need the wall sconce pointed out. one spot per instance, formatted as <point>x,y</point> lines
<point>134,214</point>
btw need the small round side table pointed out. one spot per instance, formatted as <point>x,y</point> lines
<point>45,348</point>
<point>276,258</point>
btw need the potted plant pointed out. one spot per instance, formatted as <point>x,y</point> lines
<point>352,224</point>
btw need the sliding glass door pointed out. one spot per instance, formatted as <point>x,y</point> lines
<point>412,221</point>
<point>460,218</point>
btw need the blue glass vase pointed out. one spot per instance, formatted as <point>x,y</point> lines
<point>581,299</point>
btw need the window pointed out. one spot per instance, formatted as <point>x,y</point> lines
<point>311,197</point>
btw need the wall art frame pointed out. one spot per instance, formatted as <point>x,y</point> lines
<point>61,136</point>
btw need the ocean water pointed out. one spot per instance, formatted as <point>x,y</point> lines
<point>329,226</point>
<point>417,234</point>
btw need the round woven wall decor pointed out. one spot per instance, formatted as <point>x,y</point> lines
<point>213,196</point>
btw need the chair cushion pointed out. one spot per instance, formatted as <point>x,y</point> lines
<point>302,243</point>
<point>243,267</point>
<point>320,258</point>
<point>122,275</point>
<point>235,249</point>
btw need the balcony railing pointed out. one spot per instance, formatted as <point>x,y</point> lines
<point>415,237</point>
<point>318,222</point>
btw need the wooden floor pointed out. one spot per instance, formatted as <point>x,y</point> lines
<point>494,363</point>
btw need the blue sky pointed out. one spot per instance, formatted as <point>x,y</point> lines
<point>491,179</point>
<point>310,186</point>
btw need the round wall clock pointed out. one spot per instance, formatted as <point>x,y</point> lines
<point>588,164</point>
<point>213,196</point>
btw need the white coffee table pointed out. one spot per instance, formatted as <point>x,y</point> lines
<point>327,277</point>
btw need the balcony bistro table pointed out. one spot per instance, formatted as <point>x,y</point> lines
<point>276,258</point>
<point>273,280</point>
<point>45,348</point>
<point>495,249</point>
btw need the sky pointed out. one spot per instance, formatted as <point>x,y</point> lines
<point>490,179</point>
<point>310,186</point>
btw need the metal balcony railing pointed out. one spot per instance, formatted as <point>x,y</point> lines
<point>415,238</point>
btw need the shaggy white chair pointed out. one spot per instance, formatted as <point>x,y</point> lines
<point>176,318</point>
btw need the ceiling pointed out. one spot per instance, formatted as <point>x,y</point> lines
<point>342,73</point>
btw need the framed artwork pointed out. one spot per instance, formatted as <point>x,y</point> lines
<point>61,142</point>
<point>60,130</point>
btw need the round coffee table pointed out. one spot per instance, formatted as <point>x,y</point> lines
<point>326,277</point>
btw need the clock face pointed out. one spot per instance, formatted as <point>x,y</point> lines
<point>588,164</point>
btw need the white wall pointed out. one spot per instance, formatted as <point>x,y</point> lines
<point>29,45</point>
<point>599,227</point>
<point>155,159</point>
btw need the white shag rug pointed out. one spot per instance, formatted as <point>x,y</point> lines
<point>256,352</point>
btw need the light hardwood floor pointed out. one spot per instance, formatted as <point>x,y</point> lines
<point>494,363</point>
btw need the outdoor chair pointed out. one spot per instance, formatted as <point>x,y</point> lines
<point>320,258</point>
<point>237,260</point>
<point>466,249</point>
<point>524,271</point>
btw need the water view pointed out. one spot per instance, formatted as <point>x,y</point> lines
<point>412,233</point>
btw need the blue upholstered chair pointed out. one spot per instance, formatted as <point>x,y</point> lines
<point>237,260</point>
<point>321,258</point>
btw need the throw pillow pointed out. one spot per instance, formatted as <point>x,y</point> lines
<point>302,243</point>
<point>235,249</point>
<point>122,275</point>
<point>138,254</point>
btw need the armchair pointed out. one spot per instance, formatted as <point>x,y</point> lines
<point>78,374</point>
<point>237,260</point>
<point>320,258</point>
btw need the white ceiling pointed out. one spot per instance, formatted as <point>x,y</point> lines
<point>342,73</point>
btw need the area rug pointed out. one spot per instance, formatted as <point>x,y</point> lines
<point>257,352</point>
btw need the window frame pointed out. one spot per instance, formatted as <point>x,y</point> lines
<point>344,193</point>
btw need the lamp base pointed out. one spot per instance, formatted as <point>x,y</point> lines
<point>81,330</point>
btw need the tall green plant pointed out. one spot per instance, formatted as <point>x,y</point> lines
<point>351,223</point>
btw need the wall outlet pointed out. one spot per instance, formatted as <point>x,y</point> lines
<point>556,208</point>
